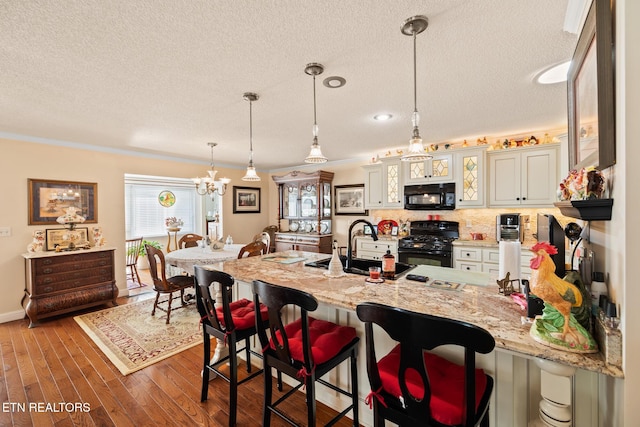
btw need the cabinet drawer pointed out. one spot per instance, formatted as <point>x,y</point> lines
<point>468,254</point>
<point>308,240</point>
<point>373,255</point>
<point>491,256</point>
<point>289,238</point>
<point>469,266</point>
<point>42,263</point>
<point>492,269</point>
<point>89,274</point>
<point>82,264</point>
<point>378,246</point>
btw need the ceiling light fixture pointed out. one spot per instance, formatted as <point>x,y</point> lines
<point>315,155</point>
<point>251,171</point>
<point>334,82</point>
<point>554,74</point>
<point>412,27</point>
<point>207,184</point>
<point>382,117</point>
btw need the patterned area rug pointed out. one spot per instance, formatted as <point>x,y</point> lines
<point>132,338</point>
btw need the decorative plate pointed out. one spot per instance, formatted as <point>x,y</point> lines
<point>294,226</point>
<point>385,226</point>
<point>324,227</point>
<point>166,198</point>
<point>308,227</point>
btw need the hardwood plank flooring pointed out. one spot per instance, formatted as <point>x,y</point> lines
<point>57,364</point>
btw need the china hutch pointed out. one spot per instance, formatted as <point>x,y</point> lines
<point>304,210</point>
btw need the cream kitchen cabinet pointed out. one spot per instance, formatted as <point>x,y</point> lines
<point>470,173</point>
<point>384,185</point>
<point>487,260</point>
<point>438,169</point>
<point>367,248</point>
<point>523,176</point>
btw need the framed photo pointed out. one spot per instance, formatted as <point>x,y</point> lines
<point>366,230</point>
<point>591,103</point>
<point>246,200</point>
<point>349,200</point>
<point>62,237</point>
<point>48,200</point>
<point>394,230</point>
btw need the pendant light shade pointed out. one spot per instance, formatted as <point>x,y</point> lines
<point>412,27</point>
<point>251,170</point>
<point>315,155</point>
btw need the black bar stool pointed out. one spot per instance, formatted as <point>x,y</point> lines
<point>413,387</point>
<point>232,322</point>
<point>305,350</point>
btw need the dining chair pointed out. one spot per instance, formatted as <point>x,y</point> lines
<point>255,248</point>
<point>414,387</point>
<point>164,285</point>
<point>304,350</point>
<point>264,237</point>
<point>189,241</point>
<point>132,250</point>
<point>271,230</point>
<point>230,322</point>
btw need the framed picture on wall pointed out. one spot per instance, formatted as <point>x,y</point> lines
<point>349,200</point>
<point>591,101</point>
<point>62,238</point>
<point>48,200</point>
<point>246,200</point>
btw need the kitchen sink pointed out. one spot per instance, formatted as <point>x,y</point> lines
<point>360,266</point>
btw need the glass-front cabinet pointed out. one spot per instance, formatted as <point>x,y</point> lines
<point>304,211</point>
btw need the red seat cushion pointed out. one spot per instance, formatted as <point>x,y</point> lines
<point>327,339</point>
<point>243,313</point>
<point>445,378</point>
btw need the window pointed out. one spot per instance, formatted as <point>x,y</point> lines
<point>145,216</point>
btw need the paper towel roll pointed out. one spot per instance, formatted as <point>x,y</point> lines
<point>509,260</point>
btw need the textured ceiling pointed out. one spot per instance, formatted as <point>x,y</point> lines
<point>166,77</point>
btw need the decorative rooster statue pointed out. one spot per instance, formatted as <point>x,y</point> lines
<point>557,327</point>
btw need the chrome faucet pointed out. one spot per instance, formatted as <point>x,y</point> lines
<point>374,235</point>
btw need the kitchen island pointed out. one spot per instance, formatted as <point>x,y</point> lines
<point>479,305</point>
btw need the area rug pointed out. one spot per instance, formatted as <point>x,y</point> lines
<point>132,338</point>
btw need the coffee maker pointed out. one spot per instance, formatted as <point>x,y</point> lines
<point>509,227</point>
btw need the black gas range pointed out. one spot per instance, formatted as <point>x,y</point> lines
<point>429,242</point>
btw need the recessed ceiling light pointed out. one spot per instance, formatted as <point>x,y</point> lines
<point>382,117</point>
<point>334,82</point>
<point>555,74</point>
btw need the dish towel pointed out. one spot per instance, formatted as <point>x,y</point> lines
<point>509,259</point>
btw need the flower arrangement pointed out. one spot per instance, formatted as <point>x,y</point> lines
<point>173,222</point>
<point>588,183</point>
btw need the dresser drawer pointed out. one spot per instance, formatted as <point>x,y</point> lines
<point>64,285</point>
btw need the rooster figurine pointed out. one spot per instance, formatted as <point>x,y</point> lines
<point>557,327</point>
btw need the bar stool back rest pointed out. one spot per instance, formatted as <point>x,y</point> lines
<point>305,362</point>
<point>416,332</point>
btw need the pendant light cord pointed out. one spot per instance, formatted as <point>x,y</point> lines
<point>315,121</point>
<point>250,133</point>
<point>415,78</point>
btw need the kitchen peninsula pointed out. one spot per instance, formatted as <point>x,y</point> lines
<point>479,305</point>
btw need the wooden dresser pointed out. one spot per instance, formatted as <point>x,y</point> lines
<point>61,282</point>
<point>303,242</point>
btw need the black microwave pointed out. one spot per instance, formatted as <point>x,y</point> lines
<point>430,196</point>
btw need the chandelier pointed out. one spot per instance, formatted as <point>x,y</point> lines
<point>412,27</point>
<point>207,184</point>
<point>251,170</point>
<point>315,155</point>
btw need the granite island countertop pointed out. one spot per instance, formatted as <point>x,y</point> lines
<point>480,305</point>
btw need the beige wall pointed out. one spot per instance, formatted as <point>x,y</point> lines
<point>23,160</point>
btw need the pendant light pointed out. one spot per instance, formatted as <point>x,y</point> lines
<point>412,27</point>
<point>315,155</point>
<point>251,171</point>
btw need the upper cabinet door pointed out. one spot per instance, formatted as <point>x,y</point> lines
<point>524,176</point>
<point>435,170</point>
<point>470,174</point>
<point>290,201</point>
<point>308,200</point>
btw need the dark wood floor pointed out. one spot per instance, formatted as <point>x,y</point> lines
<point>57,364</point>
